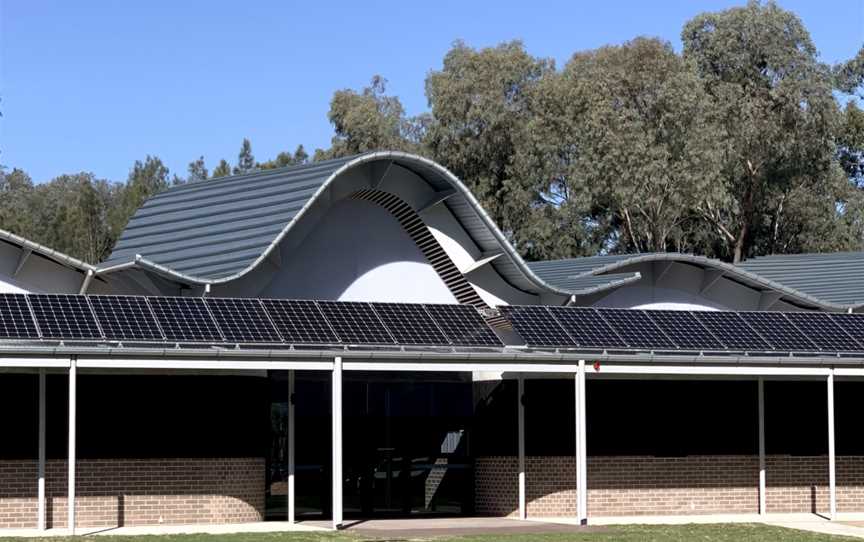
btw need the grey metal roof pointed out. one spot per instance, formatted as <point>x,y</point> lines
<point>215,231</point>
<point>835,277</point>
<point>824,281</point>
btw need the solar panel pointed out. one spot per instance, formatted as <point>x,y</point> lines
<point>732,331</point>
<point>62,316</point>
<point>824,332</point>
<point>16,322</point>
<point>637,330</point>
<point>852,324</point>
<point>409,324</point>
<point>185,319</point>
<point>242,320</point>
<point>355,323</point>
<point>778,332</point>
<point>463,325</point>
<point>299,321</point>
<point>587,328</point>
<point>536,326</point>
<point>684,330</point>
<point>125,318</point>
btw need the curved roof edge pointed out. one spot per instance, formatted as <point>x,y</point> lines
<point>49,253</point>
<point>615,264</point>
<point>531,282</point>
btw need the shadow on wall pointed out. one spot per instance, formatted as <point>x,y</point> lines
<point>358,252</point>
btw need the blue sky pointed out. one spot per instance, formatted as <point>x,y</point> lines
<point>93,86</point>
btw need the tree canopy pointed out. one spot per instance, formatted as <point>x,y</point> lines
<point>744,143</point>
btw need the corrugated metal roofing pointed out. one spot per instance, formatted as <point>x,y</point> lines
<point>836,277</point>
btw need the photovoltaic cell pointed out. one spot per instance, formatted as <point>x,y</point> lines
<point>355,323</point>
<point>61,316</point>
<point>16,322</point>
<point>852,324</point>
<point>821,330</point>
<point>463,325</point>
<point>536,325</point>
<point>684,330</point>
<point>299,321</point>
<point>124,318</point>
<point>185,319</point>
<point>242,320</point>
<point>637,330</point>
<point>779,332</point>
<point>587,328</point>
<point>409,324</point>
<point>732,331</point>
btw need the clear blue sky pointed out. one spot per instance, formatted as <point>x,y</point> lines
<point>94,86</point>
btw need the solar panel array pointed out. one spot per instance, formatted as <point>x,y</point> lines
<point>687,331</point>
<point>193,320</point>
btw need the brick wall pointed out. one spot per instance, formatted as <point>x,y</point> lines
<point>116,492</point>
<point>623,486</point>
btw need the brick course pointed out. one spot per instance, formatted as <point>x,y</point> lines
<point>116,492</point>
<point>640,485</point>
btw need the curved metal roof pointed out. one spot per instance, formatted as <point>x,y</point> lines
<point>825,281</point>
<point>216,231</point>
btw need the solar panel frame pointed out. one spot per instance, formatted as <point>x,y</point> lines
<point>243,320</point>
<point>356,322</point>
<point>16,319</point>
<point>64,317</point>
<point>463,325</point>
<point>852,324</point>
<point>636,329</point>
<point>536,325</point>
<point>185,320</point>
<point>779,332</point>
<point>824,332</point>
<point>732,331</point>
<point>410,324</point>
<point>685,330</point>
<point>125,318</point>
<point>587,328</point>
<point>300,321</point>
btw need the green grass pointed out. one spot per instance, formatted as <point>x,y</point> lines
<point>630,533</point>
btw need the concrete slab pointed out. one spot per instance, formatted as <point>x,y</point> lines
<point>259,527</point>
<point>432,527</point>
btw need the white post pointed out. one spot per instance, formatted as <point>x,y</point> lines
<point>70,502</point>
<point>41,523</point>
<point>337,443</point>
<point>581,449</point>
<point>523,511</point>
<point>762,479</point>
<point>832,490</point>
<point>291,456</point>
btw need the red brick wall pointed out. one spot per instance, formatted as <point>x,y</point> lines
<point>623,486</point>
<point>115,492</point>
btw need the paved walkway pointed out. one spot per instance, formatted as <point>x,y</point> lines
<point>431,527</point>
<point>259,527</point>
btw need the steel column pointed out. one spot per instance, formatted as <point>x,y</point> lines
<point>762,478</point>
<point>70,501</point>
<point>291,454</point>
<point>832,460</point>
<point>337,443</point>
<point>581,449</point>
<point>523,511</point>
<point>40,522</point>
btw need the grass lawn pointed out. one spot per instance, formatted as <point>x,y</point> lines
<point>631,533</point>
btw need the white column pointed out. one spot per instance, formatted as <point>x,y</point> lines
<point>523,511</point>
<point>337,443</point>
<point>41,484</point>
<point>581,449</point>
<point>291,456</point>
<point>832,490</point>
<point>762,479</point>
<point>70,502</point>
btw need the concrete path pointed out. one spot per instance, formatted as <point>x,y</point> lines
<point>259,527</point>
<point>432,527</point>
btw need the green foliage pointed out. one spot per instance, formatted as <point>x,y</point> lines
<point>245,159</point>
<point>222,170</point>
<point>197,170</point>
<point>286,158</point>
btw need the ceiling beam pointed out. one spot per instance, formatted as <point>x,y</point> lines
<point>710,277</point>
<point>22,259</point>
